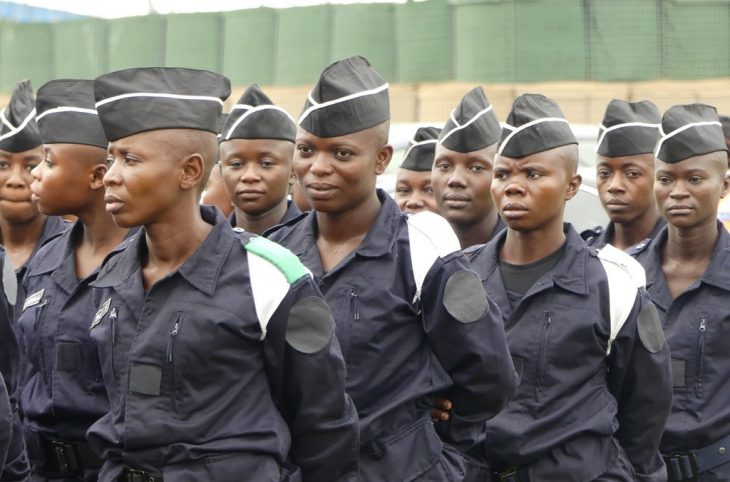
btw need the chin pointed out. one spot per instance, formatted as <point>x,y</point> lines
<point>124,220</point>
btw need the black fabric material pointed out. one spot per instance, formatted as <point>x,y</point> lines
<point>538,137</point>
<point>132,115</point>
<point>145,379</point>
<point>519,278</point>
<point>310,325</point>
<point>650,329</point>
<point>483,127</point>
<point>629,140</point>
<point>257,124</point>
<point>464,296</point>
<point>19,109</point>
<point>694,141</point>
<point>69,127</point>
<point>419,157</point>
<point>679,368</point>
<point>340,79</point>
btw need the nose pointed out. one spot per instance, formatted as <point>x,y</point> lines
<point>112,176</point>
<point>249,174</point>
<point>36,172</point>
<point>678,191</point>
<point>18,177</point>
<point>514,188</point>
<point>615,184</point>
<point>415,202</point>
<point>456,179</point>
<point>320,165</point>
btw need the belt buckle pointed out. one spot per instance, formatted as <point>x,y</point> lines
<point>683,465</point>
<point>510,475</point>
<point>65,456</point>
<point>134,475</point>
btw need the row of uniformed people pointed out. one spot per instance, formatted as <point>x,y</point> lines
<point>344,296</point>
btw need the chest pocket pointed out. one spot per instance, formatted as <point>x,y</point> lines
<point>34,331</point>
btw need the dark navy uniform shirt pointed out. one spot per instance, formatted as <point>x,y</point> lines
<point>64,392</point>
<point>13,460</point>
<point>575,400</point>
<point>599,237</point>
<point>292,211</point>
<point>697,327</point>
<point>222,368</point>
<point>411,324</point>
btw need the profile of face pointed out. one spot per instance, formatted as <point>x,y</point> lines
<point>16,205</point>
<point>257,173</point>
<point>215,192</point>
<point>530,192</point>
<point>64,180</point>
<point>413,191</point>
<point>688,192</point>
<point>338,174</point>
<point>461,184</point>
<point>151,172</point>
<point>626,186</point>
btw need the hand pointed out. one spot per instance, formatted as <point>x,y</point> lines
<point>440,410</point>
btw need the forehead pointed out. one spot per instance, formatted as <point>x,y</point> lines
<point>256,146</point>
<point>546,159</point>
<point>712,162</point>
<point>360,138</point>
<point>642,160</point>
<point>29,155</point>
<point>444,153</point>
<point>143,141</point>
<point>413,177</point>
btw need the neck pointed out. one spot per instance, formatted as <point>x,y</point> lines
<point>530,246</point>
<point>20,235</point>
<point>345,226</point>
<point>477,233</point>
<point>101,234</point>
<point>258,223</point>
<point>691,244</point>
<point>628,234</point>
<point>169,244</point>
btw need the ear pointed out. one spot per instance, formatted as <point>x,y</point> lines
<point>385,154</point>
<point>96,177</point>
<point>725,185</point>
<point>192,171</point>
<point>573,186</point>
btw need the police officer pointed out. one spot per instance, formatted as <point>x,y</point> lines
<point>217,351</point>
<point>413,320</point>
<point>13,460</point>
<point>625,176</point>
<point>24,229</point>
<point>688,277</point>
<point>462,170</point>
<point>256,151</point>
<point>413,191</point>
<point>594,368</point>
<point>63,393</point>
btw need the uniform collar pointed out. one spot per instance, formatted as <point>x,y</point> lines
<point>201,269</point>
<point>52,226</point>
<point>292,211</point>
<point>570,272</point>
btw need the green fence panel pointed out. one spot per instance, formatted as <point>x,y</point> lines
<point>365,30</point>
<point>550,41</point>
<point>304,44</point>
<point>484,41</point>
<point>136,42</point>
<point>79,49</point>
<point>194,41</point>
<point>697,40</point>
<point>26,52</point>
<point>249,38</point>
<point>423,41</point>
<point>625,40</point>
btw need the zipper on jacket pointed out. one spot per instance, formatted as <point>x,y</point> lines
<point>113,336</point>
<point>701,352</point>
<point>354,305</point>
<point>173,336</point>
<point>542,358</point>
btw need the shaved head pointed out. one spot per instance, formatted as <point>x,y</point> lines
<point>186,142</point>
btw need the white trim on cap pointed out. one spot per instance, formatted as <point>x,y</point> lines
<point>606,130</point>
<point>158,94</point>
<point>4,120</point>
<point>416,144</point>
<point>515,130</point>
<point>57,110</point>
<point>241,107</point>
<point>465,125</point>
<point>253,110</point>
<point>681,129</point>
<point>22,125</point>
<point>316,105</point>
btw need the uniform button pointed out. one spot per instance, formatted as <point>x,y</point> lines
<point>721,451</point>
<point>239,230</point>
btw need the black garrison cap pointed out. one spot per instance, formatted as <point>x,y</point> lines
<point>350,96</point>
<point>18,128</point>
<point>535,124</point>
<point>473,125</point>
<point>66,113</point>
<point>143,99</point>
<point>256,117</point>
<point>629,129</point>
<point>725,121</point>
<point>689,130</point>
<point>421,149</point>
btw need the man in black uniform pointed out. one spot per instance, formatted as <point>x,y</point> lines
<point>413,190</point>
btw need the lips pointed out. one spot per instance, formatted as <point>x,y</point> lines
<point>249,194</point>
<point>113,204</point>
<point>616,205</point>
<point>514,210</point>
<point>320,191</point>
<point>455,200</point>
<point>679,209</point>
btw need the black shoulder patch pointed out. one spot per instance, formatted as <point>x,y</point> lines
<point>464,296</point>
<point>310,325</point>
<point>651,332</point>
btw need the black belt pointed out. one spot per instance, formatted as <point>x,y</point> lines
<point>686,467</point>
<point>134,475</point>
<point>68,457</point>
<point>513,475</point>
